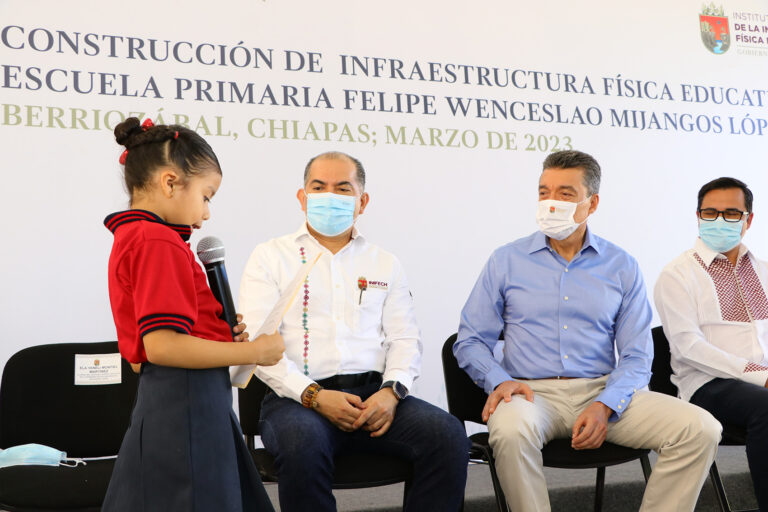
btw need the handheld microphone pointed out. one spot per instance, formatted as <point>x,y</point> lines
<point>210,250</point>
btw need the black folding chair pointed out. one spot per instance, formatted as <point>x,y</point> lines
<point>40,403</point>
<point>660,382</point>
<point>466,401</point>
<point>352,471</point>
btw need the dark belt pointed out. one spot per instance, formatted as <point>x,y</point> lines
<point>353,380</point>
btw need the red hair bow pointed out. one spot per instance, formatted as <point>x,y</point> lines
<point>147,124</point>
<point>122,157</point>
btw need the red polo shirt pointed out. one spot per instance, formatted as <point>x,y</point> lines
<point>155,283</point>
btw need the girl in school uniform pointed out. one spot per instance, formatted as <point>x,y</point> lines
<point>184,449</point>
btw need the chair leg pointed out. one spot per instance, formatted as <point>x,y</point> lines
<point>407,489</point>
<point>722,499</point>
<point>501,500</point>
<point>646,467</point>
<point>599,487</point>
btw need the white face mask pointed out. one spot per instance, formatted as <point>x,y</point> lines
<point>555,218</point>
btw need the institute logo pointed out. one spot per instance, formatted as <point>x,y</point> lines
<point>714,29</point>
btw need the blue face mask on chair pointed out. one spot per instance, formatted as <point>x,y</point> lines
<point>330,214</point>
<point>33,455</point>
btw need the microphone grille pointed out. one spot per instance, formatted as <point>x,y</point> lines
<point>210,250</point>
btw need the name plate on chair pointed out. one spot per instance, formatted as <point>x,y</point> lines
<point>97,369</point>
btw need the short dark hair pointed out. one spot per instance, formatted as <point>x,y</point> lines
<point>570,159</point>
<point>338,155</point>
<point>725,183</point>
<point>155,146</point>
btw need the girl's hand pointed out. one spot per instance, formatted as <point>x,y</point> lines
<point>269,349</point>
<point>239,329</point>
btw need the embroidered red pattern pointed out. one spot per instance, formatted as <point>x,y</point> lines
<point>753,290</point>
<point>754,367</point>
<point>733,307</point>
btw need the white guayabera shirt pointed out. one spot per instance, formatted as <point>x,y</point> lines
<point>715,316</point>
<point>353,314</point>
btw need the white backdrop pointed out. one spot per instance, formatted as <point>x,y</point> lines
<point>441,209</point>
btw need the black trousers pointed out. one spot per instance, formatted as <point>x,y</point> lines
<point>746,405</point>
<point>304,444</point>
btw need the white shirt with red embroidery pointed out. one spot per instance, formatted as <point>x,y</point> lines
<point>715,317</point>
<point>353,314</point>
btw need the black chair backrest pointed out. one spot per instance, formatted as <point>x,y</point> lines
<point>465,399</point>
<point>40,403</point>
<point>661,368</point>
<point>249,405</point>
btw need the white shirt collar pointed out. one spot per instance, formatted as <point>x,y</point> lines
<point>707,255</point>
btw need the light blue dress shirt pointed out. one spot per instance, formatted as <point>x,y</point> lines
<point>559,318</point>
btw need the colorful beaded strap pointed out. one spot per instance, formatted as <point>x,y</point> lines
<point>304,316</point>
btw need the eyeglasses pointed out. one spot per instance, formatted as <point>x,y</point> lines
<point>729,215</point>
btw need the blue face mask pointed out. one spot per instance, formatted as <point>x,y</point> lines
<point>33,454</point>
<point>330,214</point>
<point>720,236</point>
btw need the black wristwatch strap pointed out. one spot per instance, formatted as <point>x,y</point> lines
<point>398,388</point>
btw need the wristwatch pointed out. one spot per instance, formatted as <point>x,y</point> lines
<point>398,389</point>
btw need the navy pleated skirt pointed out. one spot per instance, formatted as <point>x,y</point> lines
<point>184,450</point>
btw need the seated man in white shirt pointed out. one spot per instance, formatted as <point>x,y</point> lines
<point>713,306</point>
<point>352,354</point>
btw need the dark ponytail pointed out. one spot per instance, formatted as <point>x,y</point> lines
<point>148,148</point>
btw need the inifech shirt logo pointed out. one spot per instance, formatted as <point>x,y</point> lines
<point>364,284</point>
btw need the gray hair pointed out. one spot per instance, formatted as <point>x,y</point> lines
<point>338,155</point>
<point>576,159</point>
